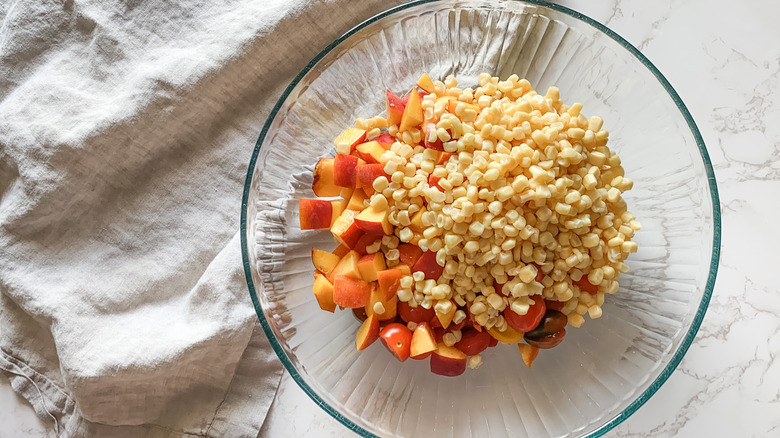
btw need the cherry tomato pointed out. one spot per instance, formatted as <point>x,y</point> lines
<point>548,341</point>
<point>550,332</point>
<point>555,305</point>
<point>414,314</point>
<point>473,342</point>
<point>527,322</point>
<point>493,342</point>
<point>397,338</point>
<point>586,286</point>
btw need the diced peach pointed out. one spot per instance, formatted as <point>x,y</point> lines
<point>323,291</point>
<point>365,241</point>
<point>528,352</point>
<point>454,104</point>
<point>368,333</point>
<point>409,253</point>
<point>390,306</point>
<point>416,221</point>
<point>371,152</point>
<point>324,184</point>
<point>345,229</point>
<point>433,181</point>
<point>423,341</point>
<point>446,318</point>
<point>448,361</point>
<point>374,221</point>
<point>427,264</point>
<point>337,207</point>
<point>406,270</point>
<point>367,173</point>
<point>413,113</point>
<point>385,140</point>
<point>349,292</point>
<point>436,144</point>
<point>390,281</point>
<point>370,264</point>
<point>324,261</point>
<point>347,141</point>
<point>314,214</point>
<point>341,251</point>
<point>426,83</point>
<point>346,266</point>
<point>395,108</point>
<point>356,201</point>
<point>444,158</point>
<point>344,170</point>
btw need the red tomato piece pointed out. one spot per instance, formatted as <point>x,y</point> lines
<point>529,321</point>
<point>397,338</point>
<point>586,286</point>
<point>414,314</point>
<point>473,342</point>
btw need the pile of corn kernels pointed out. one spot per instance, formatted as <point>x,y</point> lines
<point>530,184</point>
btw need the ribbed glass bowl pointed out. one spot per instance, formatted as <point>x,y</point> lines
<point>603,371</point>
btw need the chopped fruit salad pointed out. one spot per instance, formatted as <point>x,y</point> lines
<point>470,217</point>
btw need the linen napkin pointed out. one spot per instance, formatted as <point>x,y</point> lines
<point>125,132</point>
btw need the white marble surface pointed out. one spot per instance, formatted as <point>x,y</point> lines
<point>723,58</point>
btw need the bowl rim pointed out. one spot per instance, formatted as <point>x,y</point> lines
<point>716,217</point>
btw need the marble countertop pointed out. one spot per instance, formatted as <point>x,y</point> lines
<point>723,58</point>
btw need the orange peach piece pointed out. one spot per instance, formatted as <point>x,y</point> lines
<point>337,207</point>
<point>345,229</point>
<point>324,261</point>
<point>446,318</point>
<point>371,152</point>
<point>395,108</point>
<point>324,184</point>
<point>370,264</point>
<point>346,266</point>
<point>347,141</point>
<point>374,221</point>
<point>341,251</point>
<point>390,306</point>
<point>426,83</point>
<point>344,170</point>
<point>417,224</point>
<point>314,214</point>
<point>454,104</point>
<point>427,264</point>
<point>409,254</point>
<point>367,173</point>
<point>413,113</point>
<point>390,281</point>
<point>349,292</point>
<point>356,201</point>
<point>423,341</point>
<point>323,291</point>
<point>368,333</point>
<point>448,361</point>
<point>528,352</point>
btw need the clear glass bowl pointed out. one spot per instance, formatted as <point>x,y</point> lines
<point>603,371</point>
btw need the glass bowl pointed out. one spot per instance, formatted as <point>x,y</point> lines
<point>605,370</point>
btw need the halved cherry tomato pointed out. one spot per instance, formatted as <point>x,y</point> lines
<point>586,285</point>
<point>397,338</point>
<point>493,342</point>
<point>473,342</point>
<point>527,322</point>
<point>554,305</point>
<point>548,341</point>
<point>414,314</point>
<point>553,322</point>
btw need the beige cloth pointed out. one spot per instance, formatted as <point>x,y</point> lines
<point>125,132</point>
